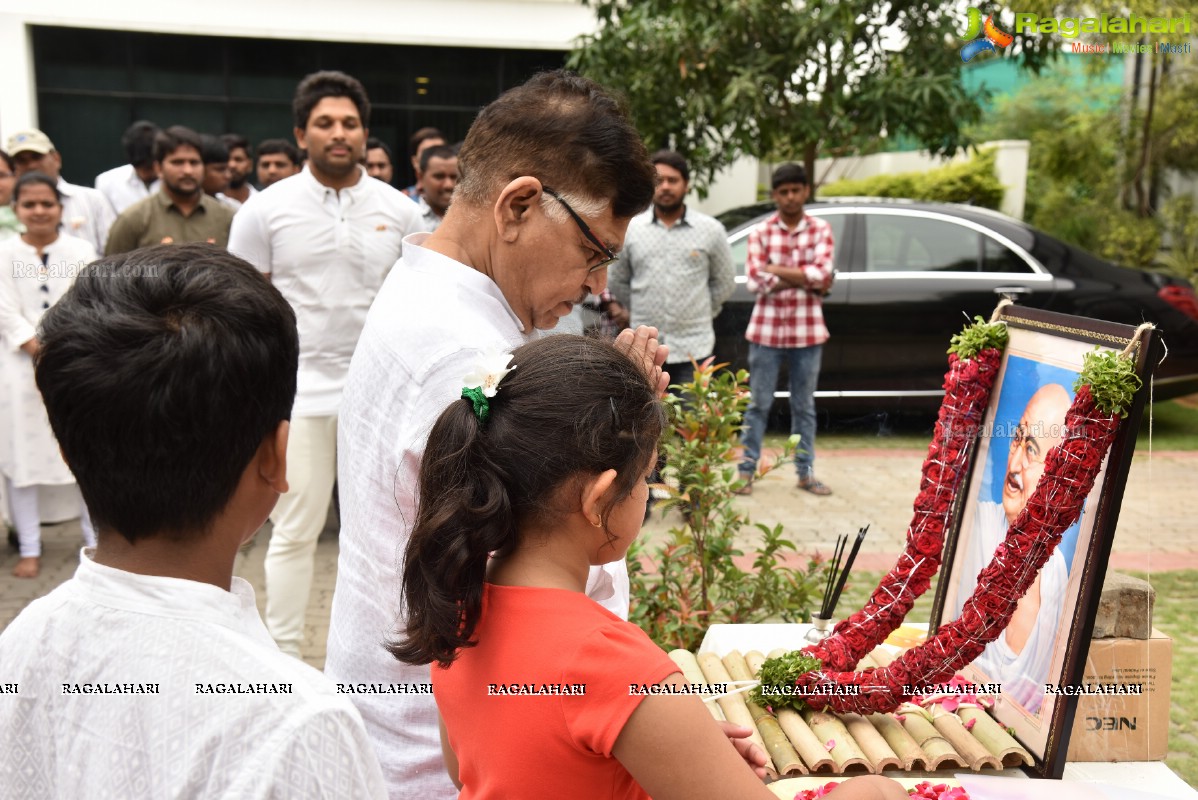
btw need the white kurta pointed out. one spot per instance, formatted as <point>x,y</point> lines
<point>1022,674</point>
<point>431,321</point>
<point>136,686</point>
<point>28,451</point>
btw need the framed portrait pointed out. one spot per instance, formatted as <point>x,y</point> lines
<point>1048,638</point>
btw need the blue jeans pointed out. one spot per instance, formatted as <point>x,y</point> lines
<point>764,364</point>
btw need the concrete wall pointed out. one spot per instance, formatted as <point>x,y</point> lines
<point>517,24</point>
<point>738,185</point>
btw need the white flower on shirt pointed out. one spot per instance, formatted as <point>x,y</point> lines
<point>490,368</point>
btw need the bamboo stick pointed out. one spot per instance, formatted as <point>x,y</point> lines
<point>905,747</point>
<point>995,738</point>
<point>939,751</point>
<point>882,656</point>
<point>880,755</point>
<point>689,665</point>
<point>734,707</point>
<point>829,729</point>
<point>785,759</point>
<point>975,753</point>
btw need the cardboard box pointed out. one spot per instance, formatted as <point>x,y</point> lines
<point>1125,727</point>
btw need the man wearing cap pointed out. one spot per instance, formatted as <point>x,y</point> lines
<point>86,213</point>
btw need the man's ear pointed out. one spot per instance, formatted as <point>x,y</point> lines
<point>301,141</point>
<point>514,205</point>
<point>272,457</point>
<point>595,494</point>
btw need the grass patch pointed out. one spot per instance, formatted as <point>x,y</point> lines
<point>1176,598</point>
<point>1174,426</point>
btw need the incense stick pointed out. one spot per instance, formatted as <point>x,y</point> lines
<point>833,571</point>
<point>848,565</point>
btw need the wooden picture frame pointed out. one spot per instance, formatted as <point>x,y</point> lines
<point>1048,640</point>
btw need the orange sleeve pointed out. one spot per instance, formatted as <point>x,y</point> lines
<point>610,661</point>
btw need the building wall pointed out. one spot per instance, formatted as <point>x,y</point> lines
<point>84,70</point>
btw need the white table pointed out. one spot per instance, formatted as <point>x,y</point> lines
<point>1143,778</point>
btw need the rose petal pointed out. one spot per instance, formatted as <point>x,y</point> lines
<point>828,745</point>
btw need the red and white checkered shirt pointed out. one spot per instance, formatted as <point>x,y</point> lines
<point>788,316</point>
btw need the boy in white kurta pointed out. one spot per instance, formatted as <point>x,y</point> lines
<point>168,375</point>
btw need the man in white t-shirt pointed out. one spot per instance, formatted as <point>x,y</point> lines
<point>149,674</point>
<point>552,172</point>
<point>138,179</point>
<point>326,238</point>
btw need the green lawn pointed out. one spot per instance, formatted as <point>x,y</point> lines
<point>1174,427</point>
<point>1176,599</point>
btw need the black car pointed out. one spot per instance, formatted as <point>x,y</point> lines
<point>911,274</point>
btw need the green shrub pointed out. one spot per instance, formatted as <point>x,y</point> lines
<point>970,181</point>
<point>694,581</point>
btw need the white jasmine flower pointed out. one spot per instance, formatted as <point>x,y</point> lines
<point>489,370</point>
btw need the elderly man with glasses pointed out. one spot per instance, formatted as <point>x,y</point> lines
<point>552,172</point>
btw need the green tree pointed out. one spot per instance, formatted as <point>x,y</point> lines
<point>779,80</point>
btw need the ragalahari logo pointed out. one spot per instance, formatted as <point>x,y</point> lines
<point>990,36</point>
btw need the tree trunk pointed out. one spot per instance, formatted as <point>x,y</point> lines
<point>1142,169</point>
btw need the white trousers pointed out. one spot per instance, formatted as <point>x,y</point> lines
<point>27,519</point>
<point>298,519</point>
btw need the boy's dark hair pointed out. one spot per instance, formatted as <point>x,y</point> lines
<point>566,130</point>
<point>174,137</point>
<point>235,141</point>
<point>138,143</point>
<point>672,159</point>
<point>213,150</point>
<point>436,151</point>
<point>415,140</point>
<point>788,173</point>
<point>35,177</point>
<point>269,147</point>
<point>572,407</point>
<point>8,162</point>
<point>162,370</point>
<point>375,143</point>
<point>328,83</point>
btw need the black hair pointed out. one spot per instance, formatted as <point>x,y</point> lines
<point>328,83</point>
<point>788,173</point>
<point>138,143</point>
<point>566,130</point>
<point>417,138</point>
<point>672,159</point>
<point>436,151</point>
<point>171,139</point>
<point>162,370</point>
<point>270,147</point>
<point>35,177</point>
<point>572,406</point>
<point>213,150</point>
<point>235,141</point>
<point>7,159</point>
<point>375,143</point>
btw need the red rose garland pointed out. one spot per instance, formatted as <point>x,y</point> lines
<point>1070,471</point>
<point>966,394</point>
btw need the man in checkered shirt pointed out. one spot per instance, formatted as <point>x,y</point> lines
<point>789,268</point>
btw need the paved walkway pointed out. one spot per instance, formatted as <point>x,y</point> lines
<point>1156,532</point>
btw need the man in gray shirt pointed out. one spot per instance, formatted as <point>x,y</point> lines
<point>675,271</point>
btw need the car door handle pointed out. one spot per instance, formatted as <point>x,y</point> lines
<point>1015,290</point>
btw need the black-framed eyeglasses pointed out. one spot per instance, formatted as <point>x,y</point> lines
<point>608,255</point>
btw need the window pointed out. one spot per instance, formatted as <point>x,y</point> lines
<point>901,243</point>
<point>998,257</point>
<point>740,247</point>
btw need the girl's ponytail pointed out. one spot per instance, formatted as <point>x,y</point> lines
<point>465,515</point>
